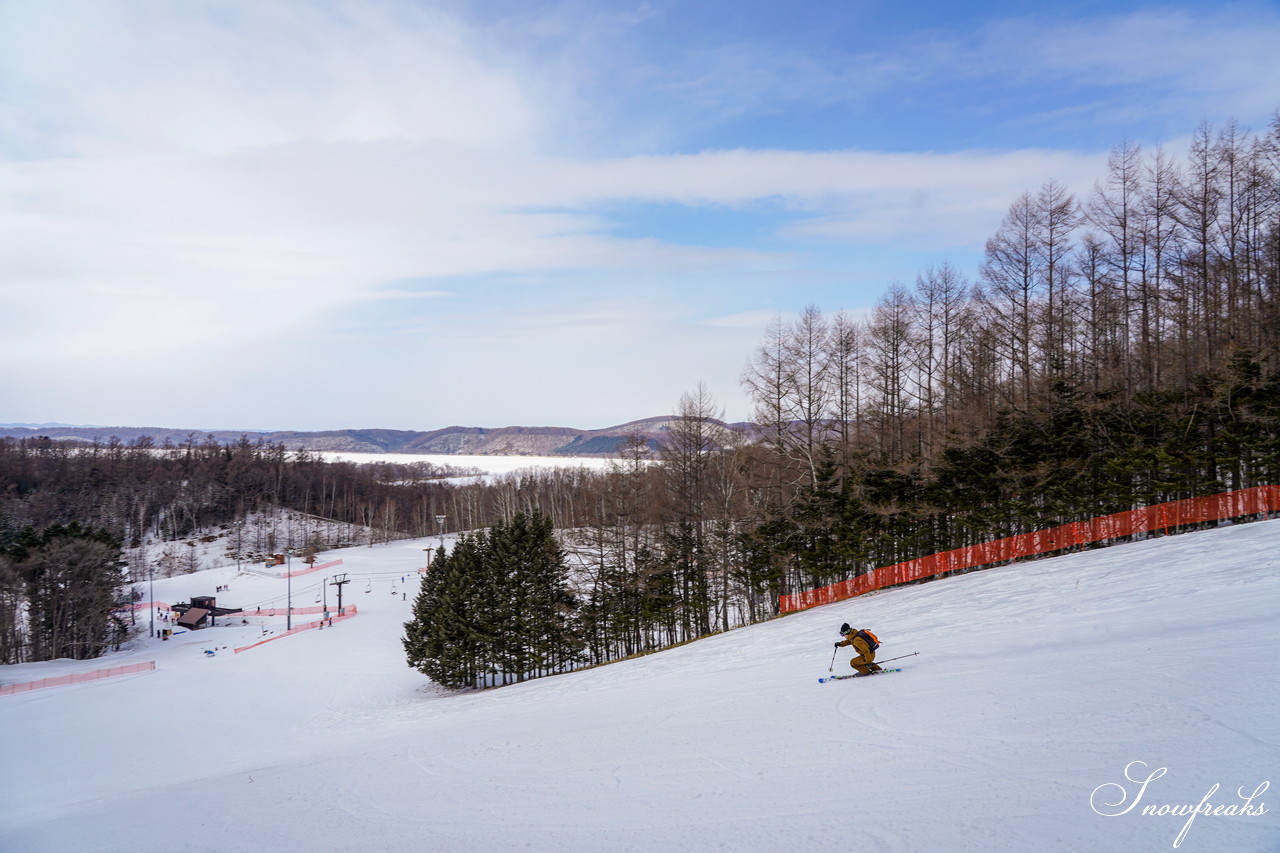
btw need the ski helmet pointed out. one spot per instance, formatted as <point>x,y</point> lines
<point>844,629</point>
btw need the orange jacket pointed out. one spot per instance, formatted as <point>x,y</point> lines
<point>864,647</point>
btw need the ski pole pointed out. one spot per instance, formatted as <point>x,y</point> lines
<point>833,660</point>
<point>899,657</point>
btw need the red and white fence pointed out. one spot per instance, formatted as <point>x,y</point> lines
<point>76,678</point>
<point>298,629</point>
<point>1150,519</point>
<point>316,568</point>
<point>297,611</point>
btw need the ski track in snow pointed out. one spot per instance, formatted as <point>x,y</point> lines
<point>1036,683</point>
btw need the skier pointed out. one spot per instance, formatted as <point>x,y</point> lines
<point>865,644</point>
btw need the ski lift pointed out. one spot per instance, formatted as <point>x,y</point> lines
<point>393,589</point>
<point>317,596</point>
<point>369,588</point>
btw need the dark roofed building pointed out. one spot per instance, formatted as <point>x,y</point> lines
<point>201,608</point>
<point>193,618</point>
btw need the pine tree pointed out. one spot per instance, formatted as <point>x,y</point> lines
<point>497,605</point>
<point>420,642</point>
<point>73,580</point>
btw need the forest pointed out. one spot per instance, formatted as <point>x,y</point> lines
<point>1111,350</point>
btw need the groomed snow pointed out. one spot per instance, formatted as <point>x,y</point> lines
<point>1036,686</point>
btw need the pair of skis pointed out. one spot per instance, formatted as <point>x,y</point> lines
<point>827,678</point>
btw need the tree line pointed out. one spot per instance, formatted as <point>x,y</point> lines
<point>60,588</point>
<point>129,503</point>
<point>1111,351</point>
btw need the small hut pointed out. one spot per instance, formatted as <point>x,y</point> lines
<point>193,618</point>
<point>201,612</point>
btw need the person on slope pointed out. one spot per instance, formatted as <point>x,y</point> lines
<point>865,644</point>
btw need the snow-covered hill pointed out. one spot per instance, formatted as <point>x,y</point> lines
<point>1037,689</point>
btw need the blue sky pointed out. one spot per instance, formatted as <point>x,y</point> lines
<point>407,215</point>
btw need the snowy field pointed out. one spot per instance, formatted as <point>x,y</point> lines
<point>1038,687</point>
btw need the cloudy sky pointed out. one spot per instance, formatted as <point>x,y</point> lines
<point>410,214</point>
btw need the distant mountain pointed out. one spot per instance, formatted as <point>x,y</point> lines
<point>50,426</point>
<point>503,441</point>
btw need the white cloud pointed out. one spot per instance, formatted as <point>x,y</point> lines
<point>1120,67</point>
<point>214,77</point>
<point>299,232</point>
<point>1163,61</point>
<point>753,320</point>
<point>812,181</point>
<point>205,185</point>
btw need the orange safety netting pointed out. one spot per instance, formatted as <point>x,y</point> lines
<point>77,678</point>
<point>297,611</point>
<point>310,569</point>
<point>1150,519</point>
<point>297,629</point>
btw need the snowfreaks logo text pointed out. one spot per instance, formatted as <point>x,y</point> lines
<point>1112,800</point>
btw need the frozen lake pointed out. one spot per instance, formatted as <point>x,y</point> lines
<point>492,466</point>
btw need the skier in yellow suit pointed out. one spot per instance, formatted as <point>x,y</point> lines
<point>865,644</point>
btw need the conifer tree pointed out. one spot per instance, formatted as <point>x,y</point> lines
<point>497,606</point>
<point>73,579</point>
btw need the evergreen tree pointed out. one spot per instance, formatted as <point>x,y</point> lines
<point>73,579</point>
<point>421,641</point>
<point>497,605</point>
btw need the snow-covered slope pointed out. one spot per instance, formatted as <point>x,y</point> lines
<point>1037,688</point>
